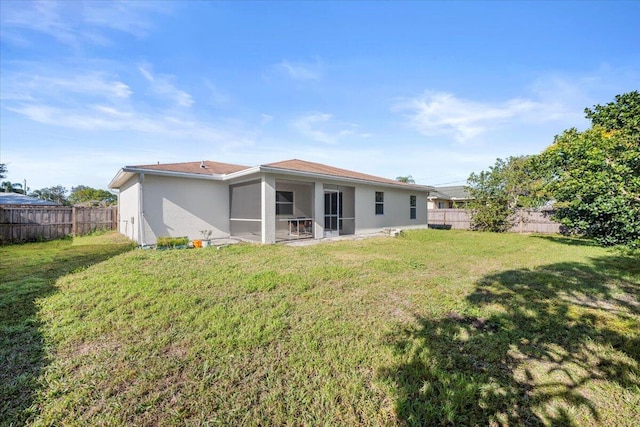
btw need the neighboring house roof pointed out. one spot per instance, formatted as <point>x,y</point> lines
<point>455,192</point>
<point>225,171</point>
<point>21,199</point>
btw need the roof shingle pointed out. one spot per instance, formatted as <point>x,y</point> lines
<point>209,168</point>
<point>319,168</point>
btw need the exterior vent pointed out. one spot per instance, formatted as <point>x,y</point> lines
<point>202,165</point>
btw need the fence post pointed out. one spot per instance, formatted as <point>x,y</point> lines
<point>74,221</point>
<point>114,218</point>
<point>521,221</point>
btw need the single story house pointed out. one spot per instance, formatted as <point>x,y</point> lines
<point>455,196</point>
<point>23,200</point>
<point>286,200</point>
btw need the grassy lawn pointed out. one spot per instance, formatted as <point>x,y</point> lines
<point>431,328</point>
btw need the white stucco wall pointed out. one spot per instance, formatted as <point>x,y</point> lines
<point>128,209</point>
<point>268,208</point>
<point>396,209</point>
<point>183,207</point>
<point>396,205</point>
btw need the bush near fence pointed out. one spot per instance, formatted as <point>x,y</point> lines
<point>36,223</point>
<point>528,221</point>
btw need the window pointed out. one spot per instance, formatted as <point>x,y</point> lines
<point>379,203</point>
<point>284,202</point>
<point>413,207</point>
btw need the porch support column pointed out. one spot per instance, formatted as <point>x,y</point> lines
<point>268,209</point>
<point>318,210</point>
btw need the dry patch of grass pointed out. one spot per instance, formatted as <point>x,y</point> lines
<point>435,327</point>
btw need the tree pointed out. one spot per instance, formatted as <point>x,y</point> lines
<point>498,193</point>
<point>595,174</point>
<point>596,182</point>
<point>406,179</point>
<point>11,187</point>
<point>85,194</point>
<point>621,115</point>
<point>52,194</point>
<point>3,170</point>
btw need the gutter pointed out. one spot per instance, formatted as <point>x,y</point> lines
<point>141,211</point>
<point>242,173</point>
<point>116,182</point>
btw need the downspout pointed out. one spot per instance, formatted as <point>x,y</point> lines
<point>428,194</point>
<point>141,211</point>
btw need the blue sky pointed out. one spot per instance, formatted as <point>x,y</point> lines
<point>435,90</point>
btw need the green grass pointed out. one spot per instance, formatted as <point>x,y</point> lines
<point>28,273</point>
<point>431,328</point>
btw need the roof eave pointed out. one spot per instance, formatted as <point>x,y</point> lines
<point>121,177</point>
<point>127,172</point>
<point>241,173</point>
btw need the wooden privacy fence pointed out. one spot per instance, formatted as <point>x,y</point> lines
<point>458,219</point>
<point>528,221</point>
<point>32,223</point>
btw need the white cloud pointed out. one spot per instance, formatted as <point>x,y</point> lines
<point>97,101</point>
<point>441,113</point>
<point>130,17</point>
<point>322,127</point>
<point>216,96</point>
<point>107,118</point>
<point>265,118</point>
<point>162,85</point>
<point>74,23</point>
<point>300,70</point>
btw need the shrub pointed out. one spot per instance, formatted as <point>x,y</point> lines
<point>172,242</point>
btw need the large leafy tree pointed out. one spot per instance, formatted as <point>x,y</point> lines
<point>85,194</point>
<point>622,115</point>
<point>595,174</point>
<point>56,194</point>
<point>499,192</point>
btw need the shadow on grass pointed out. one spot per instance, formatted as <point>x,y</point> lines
<point>28,272</point>
<point>548,337</point>
<point>570,241</point>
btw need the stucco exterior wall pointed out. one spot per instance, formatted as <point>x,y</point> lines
<point>129,208</point>
<point>396,209</point>
<point>396,205</point>
<point>183,207</point>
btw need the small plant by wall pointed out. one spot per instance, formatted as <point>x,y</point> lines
<point>172,242</point>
